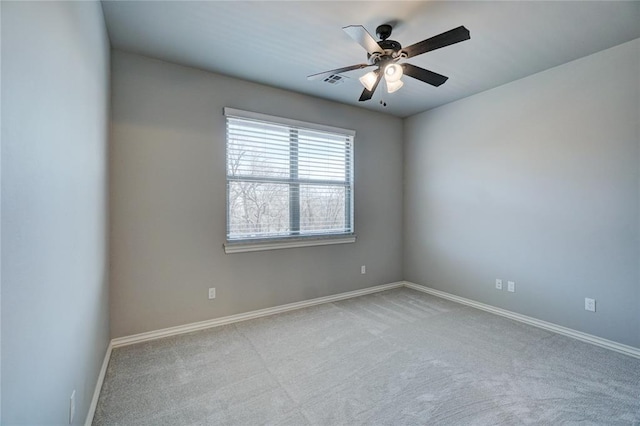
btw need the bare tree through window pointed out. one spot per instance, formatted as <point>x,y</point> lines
<point>284,181</point>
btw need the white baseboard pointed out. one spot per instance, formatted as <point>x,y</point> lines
<point>195,326</point>
<point>188,328</point>
<point>96,392</point>
<point>589,338</point>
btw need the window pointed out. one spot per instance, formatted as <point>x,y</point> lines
<point>287,182</point>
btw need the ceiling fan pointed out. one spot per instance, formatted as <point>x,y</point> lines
<point>385,55</point>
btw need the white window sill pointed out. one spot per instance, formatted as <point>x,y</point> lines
<point>245,246</point>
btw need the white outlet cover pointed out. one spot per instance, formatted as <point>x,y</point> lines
<point>589,304</point>
<point>511,286</point>
<point>498,284</point>
<point>212,293</point>
<point>363,269</point>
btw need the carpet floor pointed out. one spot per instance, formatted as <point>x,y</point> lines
<point>400,357</point>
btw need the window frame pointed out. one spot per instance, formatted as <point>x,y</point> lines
<point>294,238</point>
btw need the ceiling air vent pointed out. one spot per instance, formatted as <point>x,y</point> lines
<point>335,79</point>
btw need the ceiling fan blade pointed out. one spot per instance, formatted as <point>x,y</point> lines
<point>363,38</point>
<point>448,38</point>
<point>325,74</point>
<point>421,74</point>
<point>368,94</point>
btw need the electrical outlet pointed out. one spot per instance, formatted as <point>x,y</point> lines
<point>498,284</point>
<point>589,304</point>
<point>72,406</point>
<point>363,269</point>
<point>511,286</point>
<point>212,293</point>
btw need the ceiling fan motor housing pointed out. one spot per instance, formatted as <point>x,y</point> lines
<point>390,48</point>
<point>391,51</point>
<point>390,45</point>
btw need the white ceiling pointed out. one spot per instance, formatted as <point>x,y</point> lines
<point>280,43</point>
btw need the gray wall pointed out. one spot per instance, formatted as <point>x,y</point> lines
<point>537,181</point>
<point>168,200</point>
<point>55,93</point>
<point>0,221</point>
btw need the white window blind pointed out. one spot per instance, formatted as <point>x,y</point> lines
<point>287,179</point>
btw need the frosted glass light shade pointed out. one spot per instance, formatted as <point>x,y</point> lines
<point>392,73</point>
<point>393,86</point>
<point>369,80</point>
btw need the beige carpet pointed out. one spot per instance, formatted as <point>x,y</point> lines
<point>399,357</point>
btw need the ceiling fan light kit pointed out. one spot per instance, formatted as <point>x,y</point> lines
<point>385,55</point>
<point>392,73</point>
<point>369,79</point>
<point>393,86</point>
